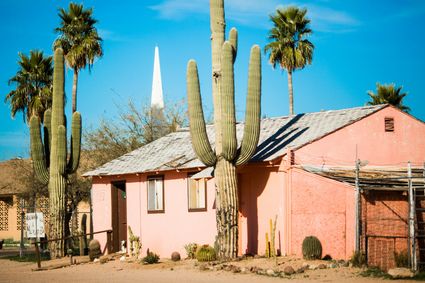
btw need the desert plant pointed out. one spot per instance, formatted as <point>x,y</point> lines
<point>94,250</point>
<point>401,259</point>
<point>358,259</point>
<point>135,245</point>
<point>151,258</point>
<point>175,256</point>
<point>83,238</point>
<point>226,156</point>
<point>50,159</point>
<point>191,250</point>
<point>312,248</point>
<point>206,253</point>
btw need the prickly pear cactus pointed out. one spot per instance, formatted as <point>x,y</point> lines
<point>50,159</point>
<point>226,155</point>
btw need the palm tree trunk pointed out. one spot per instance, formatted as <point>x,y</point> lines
<point>74,91</point>
<point>291,94</point>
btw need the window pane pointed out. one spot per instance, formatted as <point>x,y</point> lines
<point>151,195</point>
<point>201,193</point>
<point>192,194</point>
<point>158,202</point>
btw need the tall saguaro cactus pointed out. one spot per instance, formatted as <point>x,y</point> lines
<point>226,156</point>
<point>50,159</point>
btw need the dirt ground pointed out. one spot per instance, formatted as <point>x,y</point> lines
<point>168,271</point>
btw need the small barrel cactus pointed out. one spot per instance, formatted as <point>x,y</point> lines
<point>94,250</point>
<point>206,253</point>
<point>312,248</point>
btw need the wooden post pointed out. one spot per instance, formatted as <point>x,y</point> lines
<point>81,245</point>
<point>357,207</point>
<point>37,254</point>
<point>109,241</point>
<point>412,207</point>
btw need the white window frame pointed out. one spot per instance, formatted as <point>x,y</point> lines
<point>159,201</point>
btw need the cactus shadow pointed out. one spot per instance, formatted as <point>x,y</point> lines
<point>280,139</point>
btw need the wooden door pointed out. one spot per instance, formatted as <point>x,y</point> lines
<point>119,214</point>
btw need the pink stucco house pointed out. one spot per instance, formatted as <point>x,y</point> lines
<point>154,190</point>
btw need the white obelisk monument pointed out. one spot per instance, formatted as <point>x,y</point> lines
<point>157,100</point>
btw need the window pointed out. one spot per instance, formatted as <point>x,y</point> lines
<point>197,197</point>
<point>156,194</point>
<point>389,124</point>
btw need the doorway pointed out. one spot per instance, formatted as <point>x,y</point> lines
<point>119,215</point>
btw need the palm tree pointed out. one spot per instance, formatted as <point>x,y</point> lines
<point>388,93</point>
<point>288,46</point>
<point>79,40</point>
<point>33,92</point>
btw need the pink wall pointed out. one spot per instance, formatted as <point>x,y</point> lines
<point>101,204</point>
<point>323,208</point>
<point>406,143</point>
<point>162,233</point>
<point>261,199</point>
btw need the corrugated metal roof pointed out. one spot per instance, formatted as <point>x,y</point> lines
<point>174,151</point>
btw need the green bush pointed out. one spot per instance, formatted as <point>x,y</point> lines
<point>312,248</point>
<point>401,259</point>
<point>191,250</point>
<point>151,258</point>
<point>206,253</point>
<point>358,259</point>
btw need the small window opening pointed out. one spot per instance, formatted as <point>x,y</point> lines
<point>389,124</point>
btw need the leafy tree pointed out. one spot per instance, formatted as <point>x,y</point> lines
<point>79,40</point>
<point>388,93</point>
<point>132,129</point>
<point>33,81</point>
<point>288,45</point>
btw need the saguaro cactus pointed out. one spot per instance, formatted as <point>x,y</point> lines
<point>226,156</point>
<point>50,158</point>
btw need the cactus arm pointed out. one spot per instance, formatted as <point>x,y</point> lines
<point>47,135</point>
<point>253,108</point>
<point>233,39</point>
<point>74,158</point>
<point>200,141</point>
<point>61,149</point>
<point>228,119</point>
<point>37,151</point>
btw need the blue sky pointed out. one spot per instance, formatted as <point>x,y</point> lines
<point>358,43</point>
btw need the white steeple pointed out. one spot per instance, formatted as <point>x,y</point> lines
<point>157,100</point>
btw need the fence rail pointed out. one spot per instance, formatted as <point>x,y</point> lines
<point>108,242</point>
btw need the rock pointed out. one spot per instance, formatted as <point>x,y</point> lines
<point>122,259</point>
<point>270,272</point>
<point>288,270</point>
<point>350,264</point>
<point>244,270</point>
<point>96,260</point>
<point>302,269</point>
<point>103,259</point>
<point>260,271</point>
<point>322,266</point>
<point>400,272</point>
<point>312,267</point>
<point>236,269</point>
<point>333,265</point>
<point>203,267</point>
<point>175,256</point>
<point>211,268</point>
<point>305,264</point>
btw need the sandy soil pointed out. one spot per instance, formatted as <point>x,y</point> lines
<point>168,271</point>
